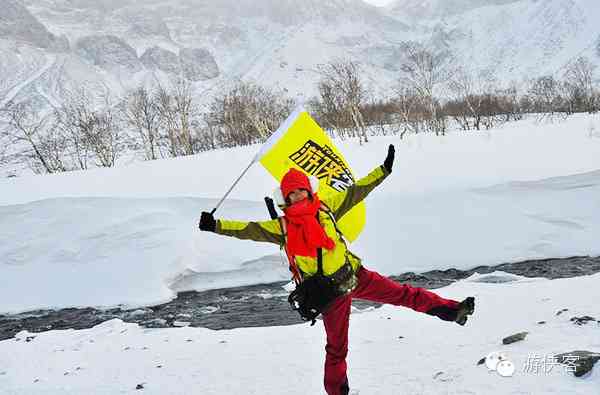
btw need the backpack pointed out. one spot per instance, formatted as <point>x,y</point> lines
<point>314,294</point>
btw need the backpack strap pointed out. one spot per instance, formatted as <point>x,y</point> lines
<point>319,254</point>
<point>327,210</point>
<point>320,261</point>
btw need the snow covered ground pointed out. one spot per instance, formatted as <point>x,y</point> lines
<point>123,236</point>
<point>392,350</point>
<point>105,237</point>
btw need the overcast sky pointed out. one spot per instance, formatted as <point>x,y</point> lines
<point>378,2</point>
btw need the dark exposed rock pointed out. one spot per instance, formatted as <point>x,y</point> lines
<point>580,362</point>
<point>561,311</point>
<point>541,322</point>
<point>108,52</point>
<point>139,387</point>
<point>515,338</point>
<point>161,59</point>
<point>197,64</point>
<point>582,320</point>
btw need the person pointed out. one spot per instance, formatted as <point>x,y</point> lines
<point>314,245</point>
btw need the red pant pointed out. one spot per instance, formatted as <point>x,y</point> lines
<point>377,288</point>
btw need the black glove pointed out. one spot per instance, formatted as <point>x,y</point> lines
<point>207,222</point>
<point>389,159</point>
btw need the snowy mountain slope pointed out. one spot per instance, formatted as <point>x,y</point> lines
<point>530,38</point>
<point>243,38</point>
<point>17,23</point>
<point>514,39</point>
<point>285,43</point>
<point>429,9</point>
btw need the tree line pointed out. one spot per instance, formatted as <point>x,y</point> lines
<point>166,121</point>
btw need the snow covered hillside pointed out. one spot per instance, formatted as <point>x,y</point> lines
<point>114,46</point>
<point>392,350</point>
<point>124,235</point>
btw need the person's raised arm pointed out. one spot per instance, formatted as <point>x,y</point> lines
<point>340,203</point>
<point>267,231</point>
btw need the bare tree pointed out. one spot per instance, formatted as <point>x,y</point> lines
<point>245,114</point>
<point>381,116</point>
<point>546,98</point>
<point>177,110</point>
<point>105,138</point>
<point>511,104</point>
<point>24,128</point>
<point>141,113</point>
<point>424,71</point>
<point>410,109</point>
<point>4,155</point>
<point>91,133</point>
<point>342,94</point>
<point>55,145</point>
<point>71,118</point>
<point>474,94</point>
<point>579,86</point>
<point>206,137</point>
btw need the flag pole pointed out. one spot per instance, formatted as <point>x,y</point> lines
<point>233,186</point>
<point>265,147</point>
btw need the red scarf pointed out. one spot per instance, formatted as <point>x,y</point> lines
<point>304,232</point>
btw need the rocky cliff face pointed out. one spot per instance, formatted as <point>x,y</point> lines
<point>108,52</point>
<point>197,64</point>
<point>17,23</point>
<point>280,43</point>
<point>157,58</point>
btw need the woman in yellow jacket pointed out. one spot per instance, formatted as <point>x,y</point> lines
<point>317,248</point>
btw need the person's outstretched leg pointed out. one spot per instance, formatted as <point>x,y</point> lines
<point>375,287</point>
<point>336,320</point>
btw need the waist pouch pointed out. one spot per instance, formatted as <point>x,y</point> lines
<point>315,293</point>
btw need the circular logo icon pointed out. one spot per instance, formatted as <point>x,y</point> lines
<point>505,368</point>
<point>493,359</point>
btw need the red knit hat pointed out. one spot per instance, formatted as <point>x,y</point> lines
<point>294,179</point>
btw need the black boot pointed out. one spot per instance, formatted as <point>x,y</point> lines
<point>465,309</point>
<point>458,315</point>
<point>345,389</point>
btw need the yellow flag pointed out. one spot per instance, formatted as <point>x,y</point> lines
<point>301,143</point>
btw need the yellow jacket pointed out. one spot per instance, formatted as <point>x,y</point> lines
<point>338,204</point>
